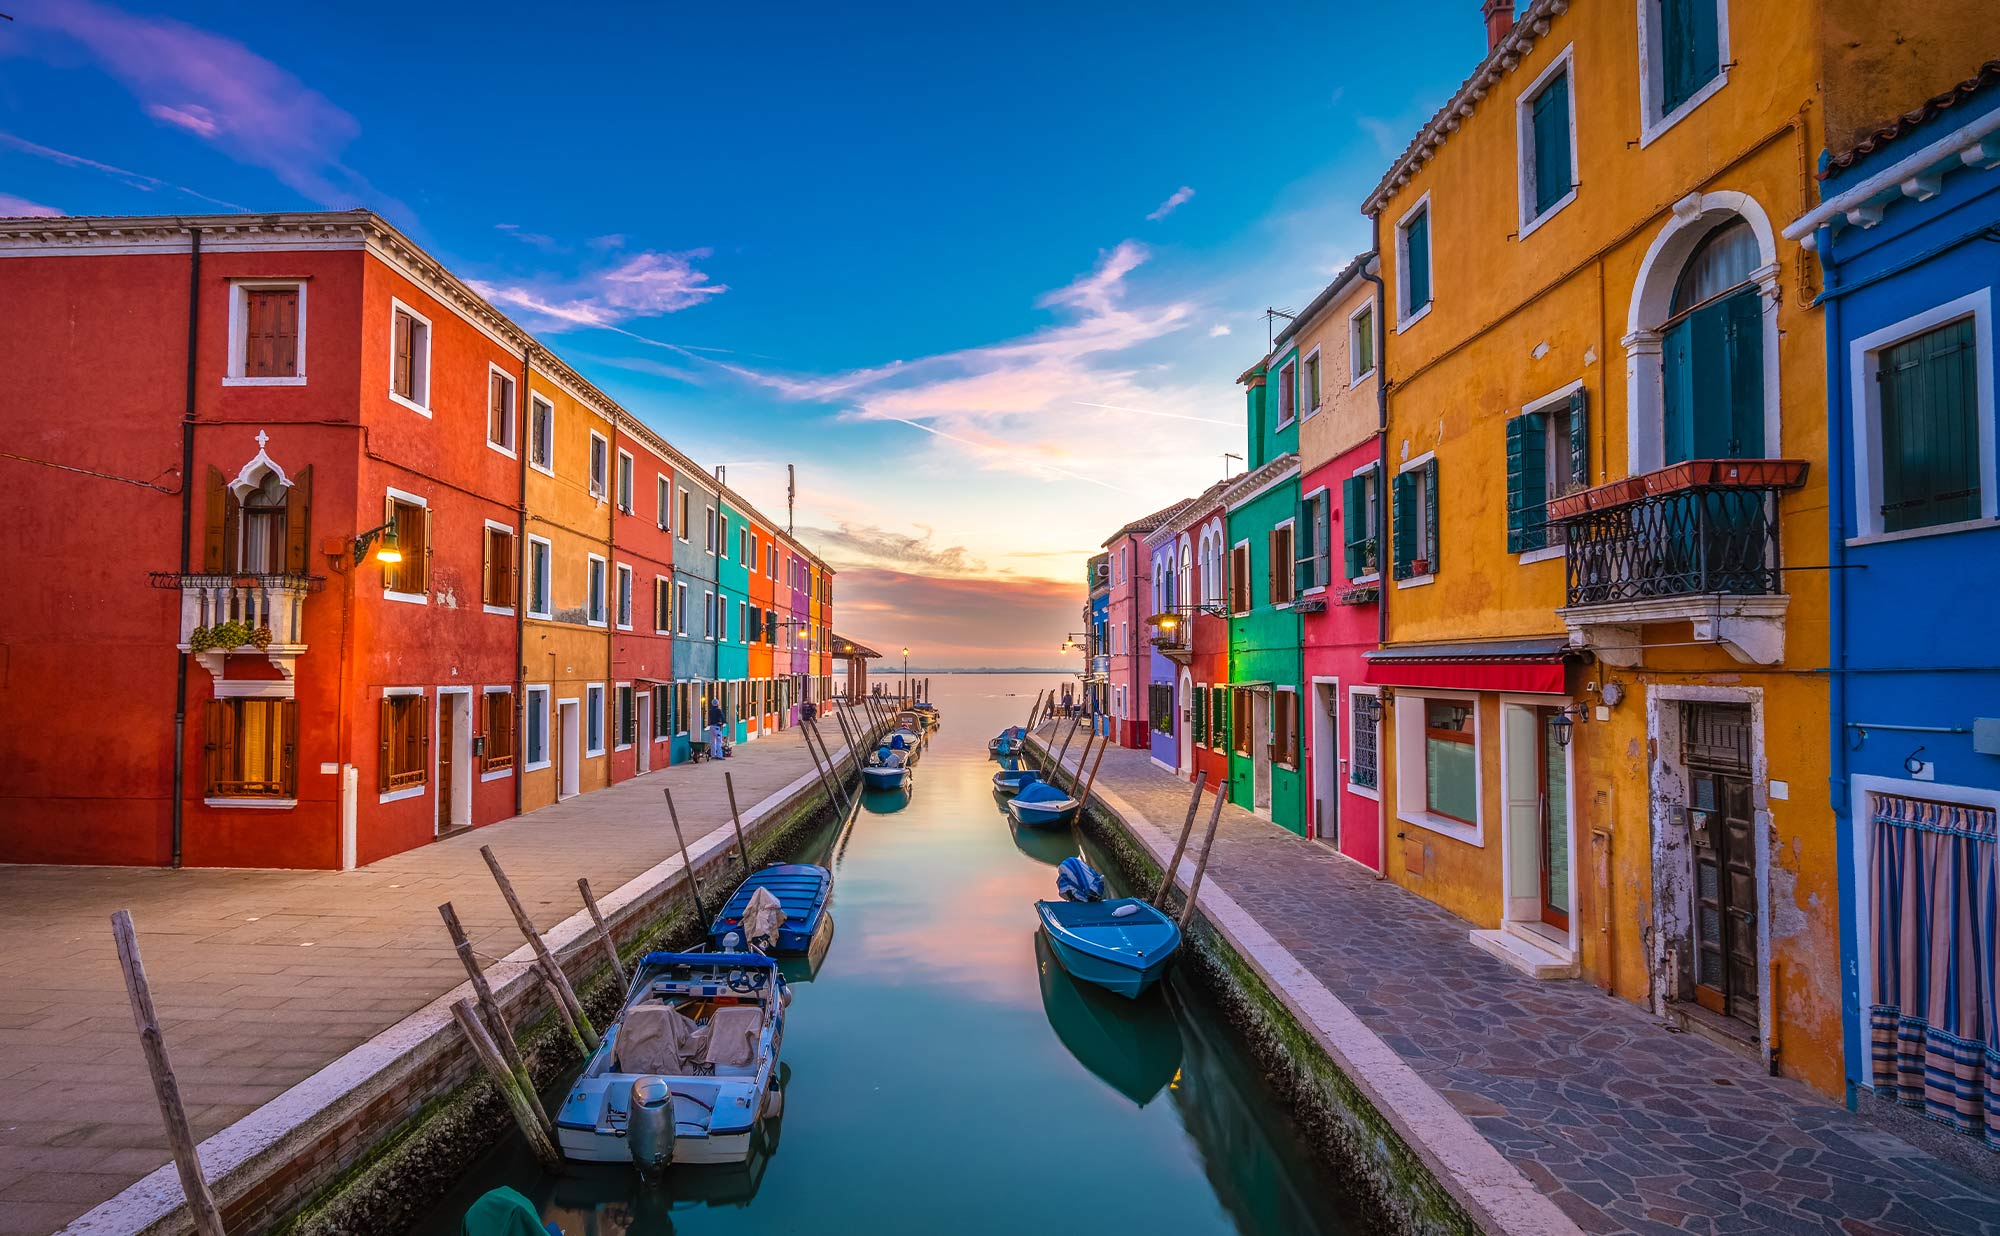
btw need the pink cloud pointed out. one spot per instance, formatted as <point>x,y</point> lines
<point>1175,201</point>
<point>643,285</point>
<point>21,206</point>
<point>956,622</point>
<point>137,180</point>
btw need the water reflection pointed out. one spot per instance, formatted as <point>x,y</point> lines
<point>888,802</point>
<point>804,969</point>
<point>1133,1046</point>
<point>1044,845</point>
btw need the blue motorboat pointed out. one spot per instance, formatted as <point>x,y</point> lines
<point>1010,780</point>
<point>1041,805</point>
<point>802,891</point>
<point>888,768</point>
<point>1008,741</point>
<point>1122,945</point>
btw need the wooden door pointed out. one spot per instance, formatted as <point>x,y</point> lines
<point>1554,812</point>
<point>1722,828</point>
<point>447,747</point>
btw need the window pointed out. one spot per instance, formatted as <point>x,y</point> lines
<point>410,358</point>
<point>663,501</point>
<point>708,615</point>
<point>722,541</point>
<point>540,577</point>
<point>1413,263</point>
<point>536,722</point>
<point>1285,728</point>
<point>1359,518</point>
<point>1315,529</point>
<point>541,434</point>
<point>267,332</point>
<point>409,579</point>
<point>742,622</point>
<point>1160,707</point>
<point>771,561</point>
<point>264,540</point>
<point>499,410</point>
<point>771,626</point>
<point>755,631</point>
<point>1241,701</point>
<point>624,597</point>
<point>1364,724</point>
<point>711,530</point>
<point>600,461</point>
<point>1451,760</point>
<point>1360,344</point>
<point>1548,455</point>
<point>497,579</point>
<point>680,609</point>
<point>1545,123</point>
<point>1312,391</point>
<point>1683,51</point>
<point>405,758</point>
<point>684,515</point>
<point>1926,436</point>
<point>496,725</point>
<point>1712,352</point>
<point>663,712</point>
<point>1415,496</point>
<point>593,720</point>
<point>1239,579</point>
<point>1288,392</point>
<point>595,598</point>
<point>746,548</point>
<point>628,715</point>
<point>253,748</point>
<point>663,605</point>
<point>1283,564</point>
<point>625,497</point>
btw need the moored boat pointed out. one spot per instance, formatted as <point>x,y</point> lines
<point>887,769</point>
<point>801,891</point>
<point>1122,945</point>
<point>1010,780</point>
<point>689,1069</point>
<point>1041,805</point>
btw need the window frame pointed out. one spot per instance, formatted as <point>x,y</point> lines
<point>419,400</point>
<point>1424,533</point>
<point>1563,65</point>
<point>663,499</point>
<point>663,604</point>
<point>486,546</point>
<point>528,707</point>
<point>1405,317</point>
<point>624,709</point>
<point>417,500</point>
<point>513,420</point>
<point>1298,738</point>
<point>1352,786</point>
<point>420,787</point>
<point>1312,363</point>
<point>680,609</point>
<point>487,772</point>
<point>1555,543</point>
<point>548,584</point>
<point>1288,394</point>
<point>623,584</point>
<point>231,695</point>
<point>1654,117</point>
<point>686,498</point>
<point>1865,416</point>
<point>238,353</point>
<point>596,610</point>
<point>594,700</point>
<point>722,538</point>
<point>1287,571</point>
<point>625,484</point>
<point>1412,723</point>
<point>1354,379</point>
<point>598,487</point>
<point>547,465</point>
<point>1249,579</point>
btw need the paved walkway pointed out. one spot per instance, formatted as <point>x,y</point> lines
<point>1625,1125</point>
<point>263,977</point>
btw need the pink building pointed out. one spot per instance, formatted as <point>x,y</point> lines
<point>1127,637</point>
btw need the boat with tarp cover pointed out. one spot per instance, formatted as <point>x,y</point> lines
<point>1123,945</point>
<point>800,892</point>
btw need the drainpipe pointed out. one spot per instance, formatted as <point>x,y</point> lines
<point>611,596</point>
<point>1372,272</point>
<point>1844,823</point>
<point>524,422</point>
<point>187,528</point>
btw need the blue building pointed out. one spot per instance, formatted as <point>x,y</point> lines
<point>1908,236</point>
<point>694,607</point>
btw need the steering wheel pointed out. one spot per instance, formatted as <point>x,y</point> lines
<point>740,981</point>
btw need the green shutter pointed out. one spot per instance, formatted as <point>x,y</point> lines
<point>1579,438</point>
<point>1744,315</point>
<point>1323,539</point>
<point>1430,474</point>
<point>1677,382</point>
<point>1417,254</point>
<point>1552,156</point>
<point>1305,546</point>
<point>1404,496</point>
<point>1527,482</point>
<point>1929,429</point>
<point>1517,485</point>
<point>1690,49</point>
<point>1354,518</point>
<point>1200,731</point>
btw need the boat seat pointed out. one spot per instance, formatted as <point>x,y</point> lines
<point>732,1037</point>
<point>654,1038</point>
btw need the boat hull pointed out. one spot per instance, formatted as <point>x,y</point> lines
<point>1039,815</point>
<point>884,778</point>
<point>586,1146</point>
<point>1011,782</point>
<point>802,889</point>
<point>1121,957</point>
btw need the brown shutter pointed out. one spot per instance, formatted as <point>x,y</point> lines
<point>401,368</point>
<point>424,564</point>
<point>392,574</point>
<point>495,417</point>
<point>420,721</point>
<point>216,716</point>
<point>215,525</point>
<point>383,762</point>
<point>288,773</point>
<point>256,335</point>
<point>488,592</point>
<point>298,524</point>
<point>284,334</point>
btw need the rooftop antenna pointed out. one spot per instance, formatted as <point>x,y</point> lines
<point>1226,457</point>
<point>722,474</point>
<point>791,492</point>
<point>1271,316</point>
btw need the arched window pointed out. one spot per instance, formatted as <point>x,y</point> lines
<point>261,546</point>
<point>1186,594</point>
<point>1712,352</point>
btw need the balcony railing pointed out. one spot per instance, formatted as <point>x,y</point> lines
<point>1708,527</point>
<point>272,606</point>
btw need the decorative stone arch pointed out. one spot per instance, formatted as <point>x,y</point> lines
<point>1184,570</point>
<point>261,465</point>
<point>1695,217</point>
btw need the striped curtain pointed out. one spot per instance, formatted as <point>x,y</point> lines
<point>1935,1022</point>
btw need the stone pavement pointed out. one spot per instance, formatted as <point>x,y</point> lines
<point>1626,1126</point>
<point>262,977</point>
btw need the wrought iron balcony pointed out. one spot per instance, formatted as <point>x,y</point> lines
<point>251,614</point>
<point>1698,542</point>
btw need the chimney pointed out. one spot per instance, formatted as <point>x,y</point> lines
<point>1499,23</point>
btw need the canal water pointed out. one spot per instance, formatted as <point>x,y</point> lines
<point>945,1075</point>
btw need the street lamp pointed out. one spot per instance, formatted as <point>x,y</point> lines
<point>389,552</point>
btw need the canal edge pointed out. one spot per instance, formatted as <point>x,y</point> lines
<point>288,1157</point>
<point>1492,1193</point>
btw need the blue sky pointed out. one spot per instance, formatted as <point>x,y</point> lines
<point>985,277</point>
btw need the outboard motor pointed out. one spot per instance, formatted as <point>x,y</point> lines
<point>649,1128</point>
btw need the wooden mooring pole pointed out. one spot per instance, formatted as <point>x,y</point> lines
<point>507,1085</point>
<point>1187,829</point>
<point>166,1088</point>
<point>556,978</point>
<point>742,847</point>
<point>503,1036</point>
<point>687,864</point>
<point>832,770</point>
<point>1207,846</point>
<point>603,932</point>
<point>1083,799</point>
<point>1067,739</point>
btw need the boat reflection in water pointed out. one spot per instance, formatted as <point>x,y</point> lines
<point>1044,845</point>
<point>1133,1046</point>
<point>885,802</point>
<point>804,968</point>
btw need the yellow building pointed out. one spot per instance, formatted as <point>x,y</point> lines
<point>566,586</point>
<point>1604,713</point>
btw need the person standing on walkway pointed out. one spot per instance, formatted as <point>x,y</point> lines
<point>715,751</point>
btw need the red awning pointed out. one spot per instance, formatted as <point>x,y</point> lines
<point>1533,667</point>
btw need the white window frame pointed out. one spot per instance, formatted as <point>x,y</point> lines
<point>1374,525</point>
<point>619,721</point>
<point>1354,379</point>
<point>1312,358</point>
<point>1524,138</point>
<point>513,412</point>
<point>685,497</point>
<point>1385,553</point>
<point>1292,585</point>
<point>668,629</point>
<point>1864,362</point>
<point>529,693</point>
<point>1652,83</point>
<point>680,608</point>
<point>1555,400</point>
<point>505,611</point>
<point>1249,578</point>
<point>413,791</point>
<point>1347,778</point>
<point>548,467</point>
<point>742,622</point>
<point>663,498</point>
<point>722,538</point>
<point>1412,718</point>
<point>1298,724</point>
<point>549,585</point>
<point>239,331</point>
<point>520,743</point>
<point>1325,495</point>
<point>1404,318</point>
<point>595,564</point>
<point>422,405</point>
<point>600,490</point>
<point>621,602</point>
<point>708,614</point>
<point>625,484</point>
<point>711,530</point>
<point>593,711</point>
<point>1286,422</point>
<point>408,498</point>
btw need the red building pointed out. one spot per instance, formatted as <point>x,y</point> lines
<point>1198,641</point>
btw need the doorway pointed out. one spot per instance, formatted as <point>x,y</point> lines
<point>569,748</point>
<point>454,762</point>
<point>1539,838</point>
<point>1722,939</point>
<point>643,740</point>
<point>1184,723</point>
<point>1260,750</point>
<point>1326,761</point>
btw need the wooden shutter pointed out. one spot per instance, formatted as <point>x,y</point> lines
<point>1430,475</point>
<point>1579,439</point>
<point>298,524</point>
<point>424,561</point>
<point>1691,48</point>
<point>1199,721</point>
<point>1745,334</point>
<point>217,524</point>
<point>402,367</point>
<point>288,772</point>
<point>1354,524</point>
<point>1417,253</point>
<point>384,761</point>
<point>217,751</point>
<point>1551,135</point>
<point>271,340</point>
<point>489,585</point>
<point>1527,482</point>
<point>1404,498</point>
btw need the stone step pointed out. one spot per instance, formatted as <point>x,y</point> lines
<point>1524,955</point>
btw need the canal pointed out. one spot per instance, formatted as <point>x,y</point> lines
<point>946,1075</point>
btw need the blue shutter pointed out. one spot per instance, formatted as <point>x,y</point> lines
<point>1690,49</point>
<point>1430,475</point>
<point>1579,439</point>
<point>1516,483</point>
<point>1354,522</point>
<point>1404,510</point>
<point>1552,154</point>
<point>1417,253</point>
<point>1930,430</point>
<point>1743,316</point>
<point>1527,482</point>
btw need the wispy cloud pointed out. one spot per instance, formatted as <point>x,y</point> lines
<point>643,285</point>
<point>1175,201</point>
<point>850,545</point>
<point>1218,330</point>
<point>137,180</point>
<point>11,205</point>
<point>1389,137</point>
<point>537,239</point>
<point>958,621</point>
<point>221,92</point>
